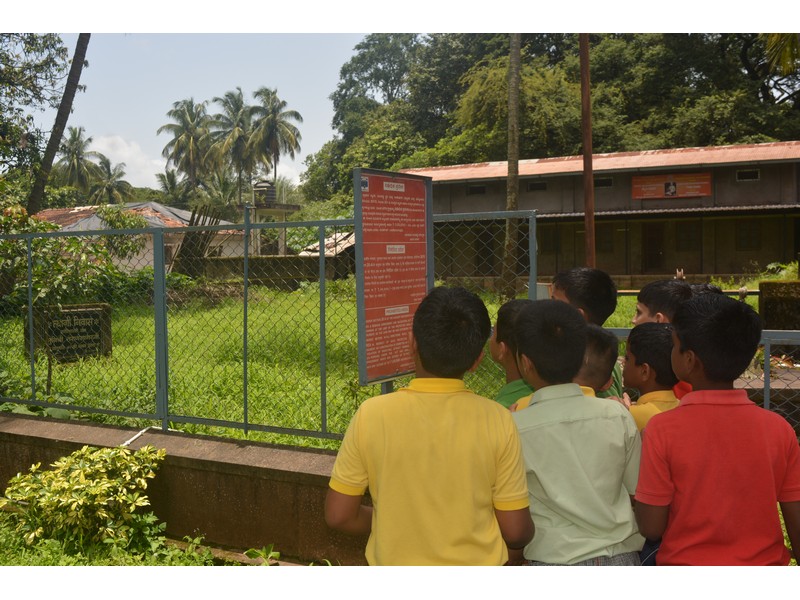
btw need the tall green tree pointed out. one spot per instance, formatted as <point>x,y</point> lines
<point>32,68</point>
<point>377,74</point>
<point>274,131</point>
<point>75,165</point>
<point>230,134</point>
<point>109,187</point>
<point>188,149</point>
<point>64,109</point>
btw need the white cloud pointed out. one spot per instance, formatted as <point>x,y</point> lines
<point>140,169</point>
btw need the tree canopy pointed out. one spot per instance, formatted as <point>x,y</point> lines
<point>444,99</point>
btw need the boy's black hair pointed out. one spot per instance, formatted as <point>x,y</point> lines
<point>651,343</point>
<point>664,296</point>
<point>451,326</point>
<point>705,288</point>
<point>602,351</point>
<point>552,335</point>
<point>506,315</point>
<point>722,332</point>
<point>591,290</point>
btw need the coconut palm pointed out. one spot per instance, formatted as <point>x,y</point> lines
<point>221,189</point>
<point>174,189</point>
<point>109,187</point>
<point>230,135</point>
<point>188,148</point>
<point>273,131</point>
<point>783,51</point>
<point>75,165</point>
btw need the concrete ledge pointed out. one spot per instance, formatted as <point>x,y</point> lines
<point>236,494</point>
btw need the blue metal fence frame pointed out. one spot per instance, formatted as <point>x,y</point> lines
<point>161,326</point>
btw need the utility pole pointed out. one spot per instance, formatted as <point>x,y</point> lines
<point>588,174</point>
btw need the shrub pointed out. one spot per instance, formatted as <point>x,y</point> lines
<point>90,497</point>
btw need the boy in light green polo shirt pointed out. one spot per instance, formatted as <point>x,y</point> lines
<point>504,352</point>
<point>581,453</point>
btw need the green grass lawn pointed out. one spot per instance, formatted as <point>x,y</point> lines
<point>206,364</point>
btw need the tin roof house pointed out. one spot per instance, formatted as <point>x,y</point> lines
<point>85,219</point>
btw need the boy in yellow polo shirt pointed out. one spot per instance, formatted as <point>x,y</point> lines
<point>443,465</point>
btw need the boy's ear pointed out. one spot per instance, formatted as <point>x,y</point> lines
<point>477,363</point>
<point>661,318</point>
<point>524,364</point>
<point>646,371</point>
<point>502,350</point>
<point>607,384</point>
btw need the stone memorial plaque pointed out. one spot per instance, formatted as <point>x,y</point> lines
<point>72,332</point>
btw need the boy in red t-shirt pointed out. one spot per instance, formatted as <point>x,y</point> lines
<point>715,468</point>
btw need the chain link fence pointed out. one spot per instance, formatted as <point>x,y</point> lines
<point>235,330</point>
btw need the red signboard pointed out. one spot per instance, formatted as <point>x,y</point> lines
<point>393,250</point>
<point>691,185</point>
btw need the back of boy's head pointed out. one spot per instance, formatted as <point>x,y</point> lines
<point>451,326</point>
<point>664,296</point>
<point>552,335</point>
<point>722,332</point>
<point>506,315</point>
<point>602,350</point>
<point>651,343</point>
<point>705,288</point>
<point>591,290</point>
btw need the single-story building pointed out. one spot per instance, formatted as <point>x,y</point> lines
<point>226,243</point>
<point>722,210</point>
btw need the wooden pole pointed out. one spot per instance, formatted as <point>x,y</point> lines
<point>588,174</point>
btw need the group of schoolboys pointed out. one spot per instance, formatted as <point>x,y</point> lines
<point>568,476</point>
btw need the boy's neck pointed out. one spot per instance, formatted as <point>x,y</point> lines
<point>647,388</point>
<point>704,384</point>
<point>511,370</point>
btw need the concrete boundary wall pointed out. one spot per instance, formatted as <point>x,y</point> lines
<point>236,494</point>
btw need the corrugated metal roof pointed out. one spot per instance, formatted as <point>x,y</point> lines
<point>84,218</point>
<point>675,158</point>
<point>694,211</point>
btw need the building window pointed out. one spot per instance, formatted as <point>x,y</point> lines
<point>688,236</point>
<point>603,182</point>
<point>536,186</point>
<point>748,235</point>
<point>604,238</point>
<point>475,190</point>
<point>748,175</point>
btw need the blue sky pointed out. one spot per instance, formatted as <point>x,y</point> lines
<point>133,79</point>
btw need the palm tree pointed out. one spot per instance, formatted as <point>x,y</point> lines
<point>783,51</point>
<point>230,135</point>
<point>188,148</point>
<point>273,131</point>
<point>175,190</point>
<point>109,187</point>
<point>221,188</point>
<point>64,109</point>
<point>76,168</point>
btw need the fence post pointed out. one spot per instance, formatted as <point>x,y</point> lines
<point>246,274</point>
<point>767,366</point>
<point>160,310</point>
<point>32,344</point>
<point>533,272</point>
<point>323,377</point>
